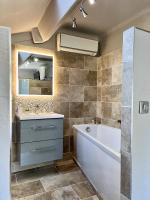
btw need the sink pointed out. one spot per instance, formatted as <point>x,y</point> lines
<point>30,116</point>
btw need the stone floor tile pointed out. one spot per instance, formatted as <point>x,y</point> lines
<point>13,179</point>
<point>67,166</point>
<point>26,189</point>
<point>95,197</point>
<point>66,193</point>
<point>35,174</point>
<point>62,180</point>
<point>84,190</point>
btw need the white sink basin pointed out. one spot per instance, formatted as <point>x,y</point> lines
<point>30,116</point>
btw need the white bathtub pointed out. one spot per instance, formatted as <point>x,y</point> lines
<point>98,154</point>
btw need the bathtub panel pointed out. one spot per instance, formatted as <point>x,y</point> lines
<point>102,170</point>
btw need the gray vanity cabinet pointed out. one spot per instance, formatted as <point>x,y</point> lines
<point>39,140</point>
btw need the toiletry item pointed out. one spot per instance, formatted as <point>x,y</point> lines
<point>42,72</point>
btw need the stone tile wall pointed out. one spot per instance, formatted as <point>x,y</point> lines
<point>75,95</point>
<point>109,83</point>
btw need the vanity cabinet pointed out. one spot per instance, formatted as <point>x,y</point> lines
<point>39,140</point>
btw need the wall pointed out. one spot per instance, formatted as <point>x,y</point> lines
<point>75,85</point>
<point>5,112</point>
<point>109,80</point>
<point>113,42</point>
<point>114,38</point>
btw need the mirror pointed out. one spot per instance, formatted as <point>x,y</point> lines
<point>35,74</point>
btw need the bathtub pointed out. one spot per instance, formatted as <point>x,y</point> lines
<point>97,152</point>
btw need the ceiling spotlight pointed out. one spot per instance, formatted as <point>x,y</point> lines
<point>92,2</point>
<point>74,23</point>
<point>36,59</point>
<point>84,13</point>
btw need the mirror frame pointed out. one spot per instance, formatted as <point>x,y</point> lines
<point>33,51</point>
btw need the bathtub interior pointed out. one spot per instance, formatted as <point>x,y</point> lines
<point>108,136</point>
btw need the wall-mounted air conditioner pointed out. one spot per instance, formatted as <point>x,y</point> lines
<point>76,44</point>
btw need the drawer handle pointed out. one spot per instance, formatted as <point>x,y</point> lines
<point>38,128</point>
<point>52,148</point>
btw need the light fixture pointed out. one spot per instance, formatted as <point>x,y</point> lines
<point>74,23</point>
<point>36,59</point>
<point>92,2</point>
<point>84,13</point>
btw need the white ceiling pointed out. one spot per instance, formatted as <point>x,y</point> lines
<point>106,14</point>
<point>22,15</point>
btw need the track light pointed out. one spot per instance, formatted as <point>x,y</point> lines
<point>84,13</point>
<point>74,23</point>
<point>92,2</point>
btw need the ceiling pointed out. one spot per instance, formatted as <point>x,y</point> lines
<point>106,14</point>
<point>22,15</point>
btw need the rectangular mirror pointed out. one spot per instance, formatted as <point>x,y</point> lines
<point>35,74</point>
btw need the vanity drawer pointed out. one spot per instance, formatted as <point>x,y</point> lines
<point>39,152</point>
<point>37,130</point>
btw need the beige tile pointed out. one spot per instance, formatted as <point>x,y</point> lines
<point>35,174</point>
<point>65,193</point>
<point>62,93</point>
<point>62,108</point>
<point>90,109</point>
<point>82,77</point>
<point>67,167</point>
<point>117,74</point>
<point>99,109</point>
<point>74,121</point>
<point>95,197</point>
<point>116,111</point>
<point>116,92</point>
<point>118,56</point>
<point>84,190</point>
<point>59,59</point>
<point>106,110</point>
<point>76,94</point>
<point>108,60</point>
<point>107,76</point>
<point>91,78</point>
<point>51,183</point>
<point>62,75</point>
<point>77,76</point>
<point>66,127</point>
<point>99,63</point>
<point>90,63</point>
<point>89,120</point>
<point>106,94</point>
<point>99,94</point>
<point>26,189</point>
<point>13,179</point>
<point>76,109</point>
<point>99,78</point>
<point>110,122</point>
<point>73,60</point>
<point>41,196</point>
<point>90,93</point>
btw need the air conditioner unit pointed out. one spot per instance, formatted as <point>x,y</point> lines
<point>76,44</point>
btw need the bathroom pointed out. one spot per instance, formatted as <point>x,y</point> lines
<point>74,119</point>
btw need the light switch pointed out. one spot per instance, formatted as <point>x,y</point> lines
<point>144,107</point>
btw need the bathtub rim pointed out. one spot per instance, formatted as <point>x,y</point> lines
<point>106,149</point>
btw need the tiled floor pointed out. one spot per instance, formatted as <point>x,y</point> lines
<point>63,182</point>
